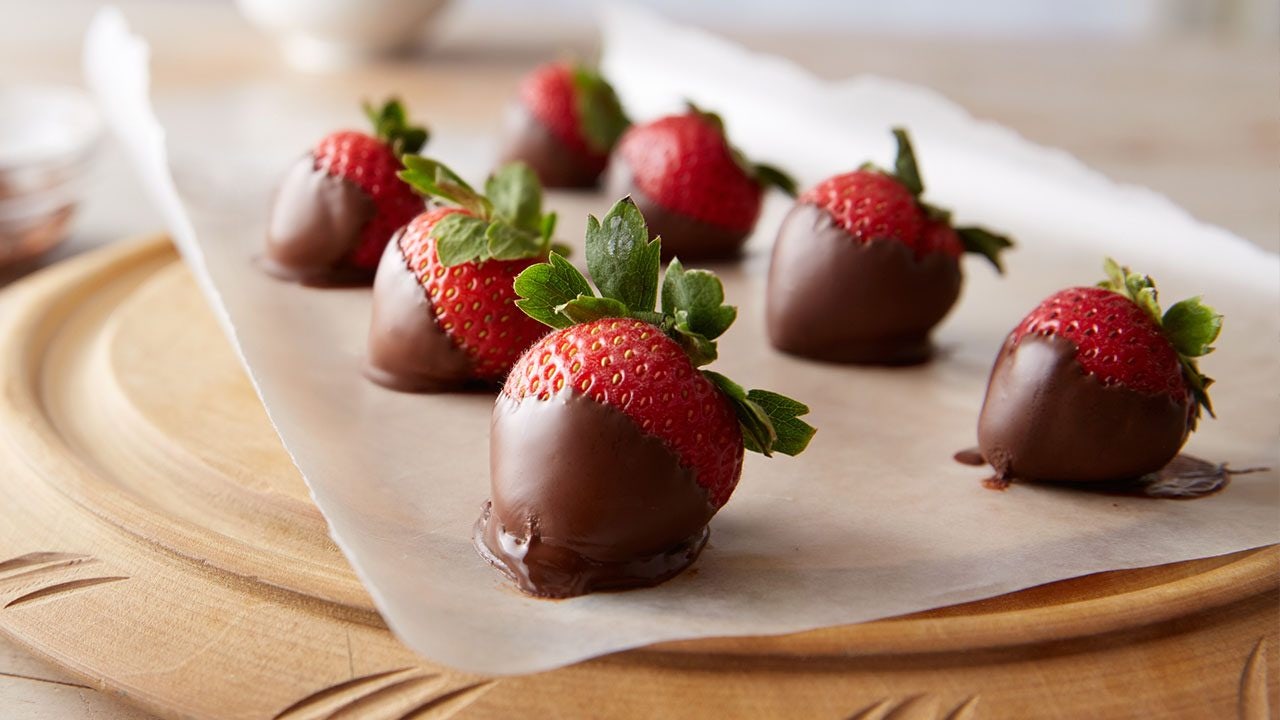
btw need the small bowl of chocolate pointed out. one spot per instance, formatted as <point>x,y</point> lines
<point>48,137</point>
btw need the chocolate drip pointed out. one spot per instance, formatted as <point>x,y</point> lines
<point>583,500</point>
<point>683,236</point>
<point>315,224</point>
<point>831,297</point>
<point>407,349</point>
<point>1044,418</point>
<point>556,164</point>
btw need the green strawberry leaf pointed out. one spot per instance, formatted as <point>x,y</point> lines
<point>622,260</point>
<point>700,295</point>
<point>758,434</point>
<point>460,238</point>
<point>547,228</point>
<point>904,166</point>
<point>770,422</point>
<point>700,349</point>
<point>586,308</point>
<point>769,175</point>
<point>505,223</point>
<point>793,434</point>
<point>1190,326</point>
<point>544,287</point>
<point>431,178</point>
<point>516,196</point>
<point>391,125</point>
<point>713,118</point>
<point>985,243</point>
<point>507,242</point>
<point>1199,384</point>
<point>601,114</point>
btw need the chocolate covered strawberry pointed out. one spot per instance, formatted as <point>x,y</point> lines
<point>340,204</point>
<point>563,124</point>
<point>863,269</point>
<point>695,189</point>
<point>444,314</point>
<point>1097,384</point>
<point>610,449</point>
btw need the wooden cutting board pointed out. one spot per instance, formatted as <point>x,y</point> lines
<point>156,540</point>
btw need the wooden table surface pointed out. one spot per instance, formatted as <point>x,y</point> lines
<point>1189,118</point>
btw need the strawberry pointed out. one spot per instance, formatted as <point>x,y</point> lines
<point>465,254</point>
<point>371,162</point>
<point>874,204</point>
<point>870,204</point>
<point>697,191</point>
<point>576,118</point>
<point>632,366</point>
<point>1097,384</point>
<point>339,204</point>
<point>863,269</point>
<point>585,502</point>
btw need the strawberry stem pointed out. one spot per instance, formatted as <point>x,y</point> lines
<point>391,125</point>
<point>904,165</point>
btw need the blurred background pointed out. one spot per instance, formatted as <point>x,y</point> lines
<point>1177,95</point>
<point>1119,19</point>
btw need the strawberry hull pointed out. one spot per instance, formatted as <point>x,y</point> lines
<point>683,236</point>
<point>556,164</point>
<point>316,223</point>
<point>835,298</point>
<point>407,349</point>
<point>1045,418</point>
<point>583,500</point>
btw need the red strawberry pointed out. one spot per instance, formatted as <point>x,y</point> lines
<point>1097,384</point>
<point>370,165</point>
<point>566,123</point>
<point>631,365</point>
<point>863,269</point>
<point>870,204</point>
<point>940,237</point>
<point>610,450</point>
<point>696,190</point>
<point>340,204</point>
<point>1116,340</point>
<point>463,259</point>
<point>473,301</point>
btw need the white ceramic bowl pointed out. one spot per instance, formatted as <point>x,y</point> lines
<point>324,34</point>
<point>48,135</point>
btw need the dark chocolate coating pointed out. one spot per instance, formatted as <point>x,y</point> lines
<point>1044,418</point>
<point>555,162</point>
<point>407,349</point>
<point>683,236</point>
<point>832,297</point>
<point>315,224</point>
<point>583,500</point>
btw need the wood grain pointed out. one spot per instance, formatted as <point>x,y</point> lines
<point>164,549</point>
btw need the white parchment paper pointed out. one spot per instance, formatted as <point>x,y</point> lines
<point>876,519</point>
